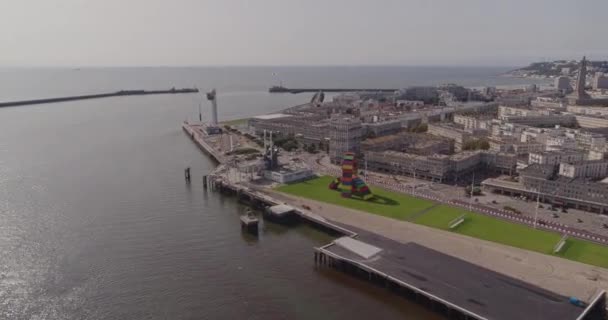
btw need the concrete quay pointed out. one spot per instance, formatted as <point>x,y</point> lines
<point>446,272</point>
<point>198,135</point>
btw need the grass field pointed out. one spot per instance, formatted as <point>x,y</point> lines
<point>235,122</point>
<point>404,207</point>
<point>385,203</point>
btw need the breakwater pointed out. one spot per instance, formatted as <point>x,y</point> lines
<point>120,93</point>
<point>304,90</point>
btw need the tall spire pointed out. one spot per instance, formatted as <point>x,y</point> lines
<point>582,78</point>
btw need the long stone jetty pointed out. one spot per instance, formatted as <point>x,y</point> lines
<point>97,96</point>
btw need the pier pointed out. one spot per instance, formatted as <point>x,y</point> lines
<point>197,133</point>
<point>450,286</point>
<point>279,89</point>
<point>121,93</point>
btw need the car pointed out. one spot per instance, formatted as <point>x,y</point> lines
<point>579,220</point>
<point>555,215</point>
<point>494,202</point>
<point>605,225</point>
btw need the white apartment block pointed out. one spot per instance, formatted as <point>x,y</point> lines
<point>556,157</point>
<point>584,169</point>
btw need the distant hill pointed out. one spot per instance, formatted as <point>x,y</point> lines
<point>557,68</point>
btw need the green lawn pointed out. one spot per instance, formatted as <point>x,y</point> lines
<point>385,203</point>
<point>491,229</point>
<point>235,122</point>
<point>403,207</point>
<point>586,252</point>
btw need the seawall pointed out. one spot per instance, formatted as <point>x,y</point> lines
<point>96,96</point>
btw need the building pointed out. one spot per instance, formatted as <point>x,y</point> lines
<point>344,136</point>
<point>588,110</point>
<point>513,146</point>
<point>580,96</point>
<point>471,123</point>
<point>307,129</point>
<point>414,143</point>
<point>426,94</point>
<point>409,104</point>
<point>439,167</point>
<point>562,84</point>
<point>288,175</point>
<point>557,142</point>
<point>542,181</point>
<point>555,157</point>
<point>591,121</point>
<point>518,111</point>
<point>382,128</point>
<point>548,103</point>
<point>594,169</point>
<point>460,136</point>
<point>600,81</point>
<point>546,120</point>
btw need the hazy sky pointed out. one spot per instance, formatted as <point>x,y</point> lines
<point>299,32</point>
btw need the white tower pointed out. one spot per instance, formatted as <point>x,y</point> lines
<point>211,96</point>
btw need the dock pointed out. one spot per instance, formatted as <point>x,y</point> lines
<point>122,93</point>
<point>452,287</point>
<point>198,135</point>
<point>249,222</point>
<point>279,89</point>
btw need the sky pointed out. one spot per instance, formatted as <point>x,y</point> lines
<point>299,32</point>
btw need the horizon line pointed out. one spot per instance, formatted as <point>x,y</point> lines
<point>257,66</point>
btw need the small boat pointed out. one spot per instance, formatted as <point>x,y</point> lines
<point>249,221</point>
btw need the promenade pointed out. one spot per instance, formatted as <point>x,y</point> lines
<point>565,277</point>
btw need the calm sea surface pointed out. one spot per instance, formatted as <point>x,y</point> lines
<point>96,221</point>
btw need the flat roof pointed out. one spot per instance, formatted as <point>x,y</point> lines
<point>362,249</point>
<point>272,116</point>
<point>478,290</point>
<point>281,209</point>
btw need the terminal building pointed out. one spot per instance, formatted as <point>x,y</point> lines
<point>344,136</point>
<point>543,181</point>
<point>440,168</point>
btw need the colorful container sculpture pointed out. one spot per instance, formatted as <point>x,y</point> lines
<point>352,185</point>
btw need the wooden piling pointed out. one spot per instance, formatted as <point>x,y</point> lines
<point>187,174</point>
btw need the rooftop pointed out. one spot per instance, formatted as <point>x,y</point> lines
<point>272,116</point>
<point>478,290</point>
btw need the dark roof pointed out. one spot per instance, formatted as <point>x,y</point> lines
<point>544,171</point>
<point>471,287</point>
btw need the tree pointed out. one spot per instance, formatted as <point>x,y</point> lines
<point>312,148</point>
